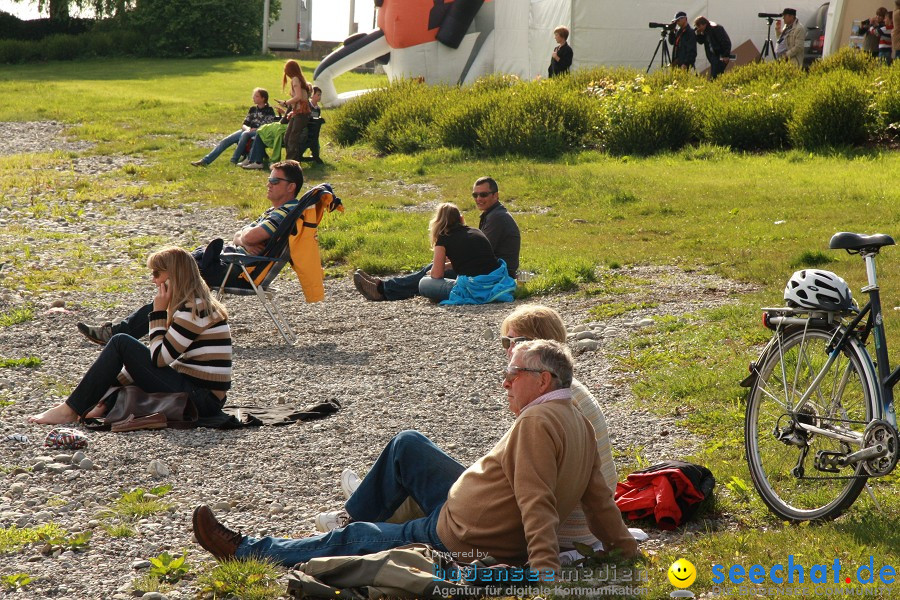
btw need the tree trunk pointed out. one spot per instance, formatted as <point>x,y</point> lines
<point>59,10</point>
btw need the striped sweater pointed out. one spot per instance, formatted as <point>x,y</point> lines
<point>198,348</point>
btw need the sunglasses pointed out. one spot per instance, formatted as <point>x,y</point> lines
<point>509,342</point>
<point>482,194</point>
<point>512,372</point>
<point>275,180</point>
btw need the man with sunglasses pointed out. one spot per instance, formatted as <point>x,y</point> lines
<point>507,505</point>
<point>283,187</point>
<point>495,223</point>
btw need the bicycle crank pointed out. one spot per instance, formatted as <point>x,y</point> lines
<point>882,436</point>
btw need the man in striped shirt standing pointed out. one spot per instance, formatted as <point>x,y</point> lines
<point>283,187</point>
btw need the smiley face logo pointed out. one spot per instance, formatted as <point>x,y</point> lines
<point>682,573</point>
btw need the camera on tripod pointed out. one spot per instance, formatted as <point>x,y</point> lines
<point>665,26</point>
<point>770,15</point>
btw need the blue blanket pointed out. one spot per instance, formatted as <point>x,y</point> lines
<point>496,286</point>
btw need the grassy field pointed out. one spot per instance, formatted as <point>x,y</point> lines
<point>754,218</point>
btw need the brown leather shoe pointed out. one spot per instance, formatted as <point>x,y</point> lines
<point>155,421</point>
<point>367,286</point>
<point>220,541</point>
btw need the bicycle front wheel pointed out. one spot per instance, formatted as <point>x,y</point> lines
<point>793,469</point>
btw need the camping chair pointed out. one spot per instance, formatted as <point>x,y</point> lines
<point>289,244</point>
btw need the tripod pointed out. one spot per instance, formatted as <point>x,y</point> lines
<point>665,59</point>
<point>768,46</point>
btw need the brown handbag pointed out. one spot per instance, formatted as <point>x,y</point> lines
<point>132,401</point>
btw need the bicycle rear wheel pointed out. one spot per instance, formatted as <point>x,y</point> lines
<point>782,458</point>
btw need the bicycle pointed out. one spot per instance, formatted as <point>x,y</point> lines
<point>820,416</point>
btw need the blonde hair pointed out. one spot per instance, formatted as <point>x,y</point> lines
<point>536,322</point>
<point>185,283</point>
<point>446,217</point>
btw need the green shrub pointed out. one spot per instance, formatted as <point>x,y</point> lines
<point>63,47</point>
<point>845,59</point>
<point>534,121</point>
<point>755,121</point>
<point>493,83</point>
<point>887,101</point>
<point>351,122</point>
<point>408,125</point>
<point>19,51</point>
<point>768,73</point>
<point>837,110</point>
<point>645,125</point>
<point>581,79</point>
<point>459,125</point>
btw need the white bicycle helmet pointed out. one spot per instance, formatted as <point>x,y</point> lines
<point>815,288</point>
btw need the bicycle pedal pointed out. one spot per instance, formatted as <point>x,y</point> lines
<point>829,462</point>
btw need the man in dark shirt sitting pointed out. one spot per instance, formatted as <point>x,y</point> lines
<point>497,225</point>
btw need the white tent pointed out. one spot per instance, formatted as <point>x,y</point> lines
<point>516,36</point>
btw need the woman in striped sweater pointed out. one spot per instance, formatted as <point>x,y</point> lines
<point>190,347</point>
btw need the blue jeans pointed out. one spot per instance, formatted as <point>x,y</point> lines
<point>407,286</point>
<point>409,466</point>
<point>257,151</point>
<point>122,350</point>
<point>239,137</point>
<point>436,289</point>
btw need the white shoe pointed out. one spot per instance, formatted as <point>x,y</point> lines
<point>349,482</point>
<point>328,521</point>
<point>253,166</point>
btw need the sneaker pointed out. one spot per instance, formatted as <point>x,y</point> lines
<point>253,166</point>
<point>198,163</point>
<point>349,482</point>
<point>99,334</point>
<point>328,521</point>
<point>367,287</point>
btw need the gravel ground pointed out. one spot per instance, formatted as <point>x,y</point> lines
<point>392,365</point>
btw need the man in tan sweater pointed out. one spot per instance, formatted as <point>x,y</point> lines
<point>507,505</point>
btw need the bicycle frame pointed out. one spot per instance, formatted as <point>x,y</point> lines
<point>887,379</point>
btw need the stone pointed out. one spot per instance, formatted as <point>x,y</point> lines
<point>580,328</point>
<point>154,596</point>
<point>157,468</point>
<point>86,464</point>
<point>17,489</point>
<point>221,507</point>
<point>140,564</point>
<point>488,334</point>
<point>276,508</point>
<point>586,345</point>
<point>646,322</point>
<point>62,458</point>
<point>78,457</point>
<point>585,335</point>
<point>58,303</point>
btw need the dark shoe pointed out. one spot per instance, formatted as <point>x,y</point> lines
<point>198,163</point>
<point>318,160</point>
<point>220,541</point>
<point>99,334</point>
<point>367,287</point>
<point>132,423</point>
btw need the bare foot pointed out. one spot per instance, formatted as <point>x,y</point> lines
<point>97,412</point>
<point>58,415</point>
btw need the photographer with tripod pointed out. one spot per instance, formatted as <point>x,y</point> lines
<point>717,44</point>
<point>791,38</point>
<point>684,42</point>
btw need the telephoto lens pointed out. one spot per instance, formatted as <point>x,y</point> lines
<point>770,15</point>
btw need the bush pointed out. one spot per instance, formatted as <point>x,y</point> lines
<point>648,124</point>
<point>767,73</point>
<point>199,27</point>
<point>493,82</point>
<point>845,59</point>
<point>63,47</point>
<point>350,123</point>
<point>459,125</point>
<point>408,126</point>
<point>837,110</point>
<point>755,121</point>
<point>536,121</point>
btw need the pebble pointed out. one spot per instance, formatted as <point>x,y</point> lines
<point>17,489</point>
<point>580,328</point>
<point>586,345</point>
<point>276,508</point>
<point>154,596</point>
<point>78,457</point>
<point>586,335</point>
<point>140,564</point>
<point>86,464</point>
<point>62,458</point>
<point>221,507</point>
<point>158,468</point>
<point>57,303</point>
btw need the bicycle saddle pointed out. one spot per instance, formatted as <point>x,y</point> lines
<point>858,241</point>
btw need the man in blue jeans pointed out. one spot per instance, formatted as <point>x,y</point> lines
<point>507,505</point>
<point>495,223</point>
<point>282,188</point>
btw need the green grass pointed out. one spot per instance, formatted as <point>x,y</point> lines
<point>248,579</point>
<point>138,503</point>
<point>13,538</point>
<point>28,361</point>
<point>749,217</point>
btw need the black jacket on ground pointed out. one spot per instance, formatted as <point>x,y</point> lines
<point>716,42</point>
<point>684,47</point>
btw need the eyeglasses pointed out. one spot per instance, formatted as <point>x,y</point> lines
<point>275,180</point>
<point>482,194</point>
<point>513,371</point>
<point>156,272</point>
<point>509,342</point>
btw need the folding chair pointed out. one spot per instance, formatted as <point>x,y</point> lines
<point>282,248</point>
